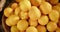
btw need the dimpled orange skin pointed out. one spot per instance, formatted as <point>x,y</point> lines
<point>14,5</point>
<point>36,2</point>
<point>24,15</point>
<point>43,20</point>
<point>51,26</point>
<point>33,22</point>
<point>41,28</point>
<point>45,7</point>
<point>56,21</point>
<point>54,15</point>
<point>22,25</point>
<point>57,7</point>
<point>12,20</point>
<point>53,1</point>
<point>7,22</point>
<point>25,5</point>
<point>17,11</point>
<point>31,29</point>
<point>8,11</point>
<point>14,29</point>
<point>58,29</point>
<point>34,13</point>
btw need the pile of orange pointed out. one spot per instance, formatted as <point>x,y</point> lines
<point>33,16</point>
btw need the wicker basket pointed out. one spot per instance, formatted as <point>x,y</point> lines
<point>6,28</point>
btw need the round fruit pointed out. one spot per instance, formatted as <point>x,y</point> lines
<point>25,5</point>
<point>12,20</point>
<point>14,5</point>
<point>54,15</point>
<point>41,28</point>
<point>31,29</point>
<point>46,7</point>
<point>14,29</point>
<point>8,11</point>
<point>34,13</point>
<point>51,26</point>
<point>36,2</point>
<point>43,20</point>
<point>22,25</point>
